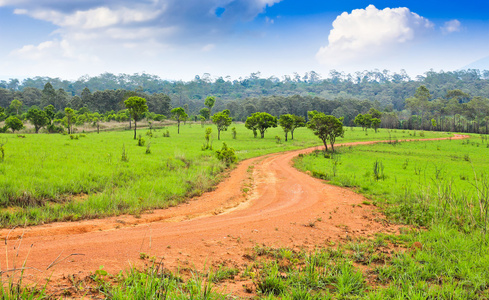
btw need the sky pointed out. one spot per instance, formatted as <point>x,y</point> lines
<point>179,39</point>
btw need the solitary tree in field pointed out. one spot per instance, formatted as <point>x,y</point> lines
<point>136,107</point>
<point>179,114</point>
<point>209,102</point>
<point>260,121</point>
<point>38,118</point>
<point>222,121</point>
<point>14,123</point>
<point>327,128</point>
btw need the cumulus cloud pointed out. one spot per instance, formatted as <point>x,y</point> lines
<point>370,32</point>
<point>451,26</point>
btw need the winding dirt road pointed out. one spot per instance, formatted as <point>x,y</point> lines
<point>264,201</point>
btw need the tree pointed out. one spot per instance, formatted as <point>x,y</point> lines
<point>205,112</point>
<point>50,112</point>
<point>16,104</point>
<point>299,121</point>
<point>178,114</point>
<point>136,107</point>
<point>14,123</point>
<point>260,121</point>
<point>209,102</point>
<point>70,119</point>
<point>286,122</point>
<point>222,121</point>
<point>38,118</point>
<point>375,123</point>
<point>327,128</point>
<point>48,95</point>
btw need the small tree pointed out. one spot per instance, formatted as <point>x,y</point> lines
<point>260,121</point>
<point>299,121</point>
<point>136,107</point>
<point>16,104</point>
<point>327,128</point>
<point>38,118</point>
<point>178,114</point>
<point>205,112</point>
<point>209,102</point>
<point>50,112</point>
<point>286,122</point>
<point>375,123</point>
<point>70,119</point>
<point>14,123</point>
<point>222,121</point>
<point>289,123</point>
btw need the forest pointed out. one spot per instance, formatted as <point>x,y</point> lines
<point>445,101</point>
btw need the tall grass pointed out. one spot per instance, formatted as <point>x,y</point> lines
<point>440,187</point>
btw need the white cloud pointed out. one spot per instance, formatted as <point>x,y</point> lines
<point>451,26</point>
<point>370,32</point>
<point>208,47</point>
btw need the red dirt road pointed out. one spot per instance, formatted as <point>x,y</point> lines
<point>264,201</point>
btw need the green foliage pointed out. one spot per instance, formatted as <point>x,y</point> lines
<point>2,149</point>
<point>179,114</point>
<point>260,121</point>
<point>209,102</point>
<point>205,113</point>
<point>222,121</point>
<point>327,128</point>
<point>141,141</point>
<point>233,133</point>
<point>136,107</point>
<point>38,118</point>
<point>227,155</point>
<point>14,123</point>
<point>207,145</point>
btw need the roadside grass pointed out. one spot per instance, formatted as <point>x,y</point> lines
<point>441,189</point>
<point>48,178</point>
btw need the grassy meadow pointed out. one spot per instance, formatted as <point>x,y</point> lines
<point>47,178</point>
<point>441,189</point>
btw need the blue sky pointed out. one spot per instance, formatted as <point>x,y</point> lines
<point>178,39</point>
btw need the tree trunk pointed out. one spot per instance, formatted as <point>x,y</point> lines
<point>286,134</point>
<point>178,130</point>
<point>218,134</point>
<point>325,145</point>
<point>292,134</point>
<point>134,129</point>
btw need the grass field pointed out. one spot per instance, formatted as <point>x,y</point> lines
<point>47,178</point>
<point>441,188</point>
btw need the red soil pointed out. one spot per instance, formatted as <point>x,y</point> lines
<point>264,201</point>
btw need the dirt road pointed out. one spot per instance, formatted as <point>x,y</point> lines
<point>264,201</point>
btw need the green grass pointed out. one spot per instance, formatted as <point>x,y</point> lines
<point>47,178</point>
<point>441,187</point>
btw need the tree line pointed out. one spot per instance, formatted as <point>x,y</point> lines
<point>448,101</point>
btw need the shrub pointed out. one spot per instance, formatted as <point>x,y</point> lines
<point>227,155</point>
<point>141,141</point>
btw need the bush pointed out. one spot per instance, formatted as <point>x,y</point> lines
<point>141,141</point>
<point>227,155</point>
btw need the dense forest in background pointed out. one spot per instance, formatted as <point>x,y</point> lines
<point>453,101</point>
